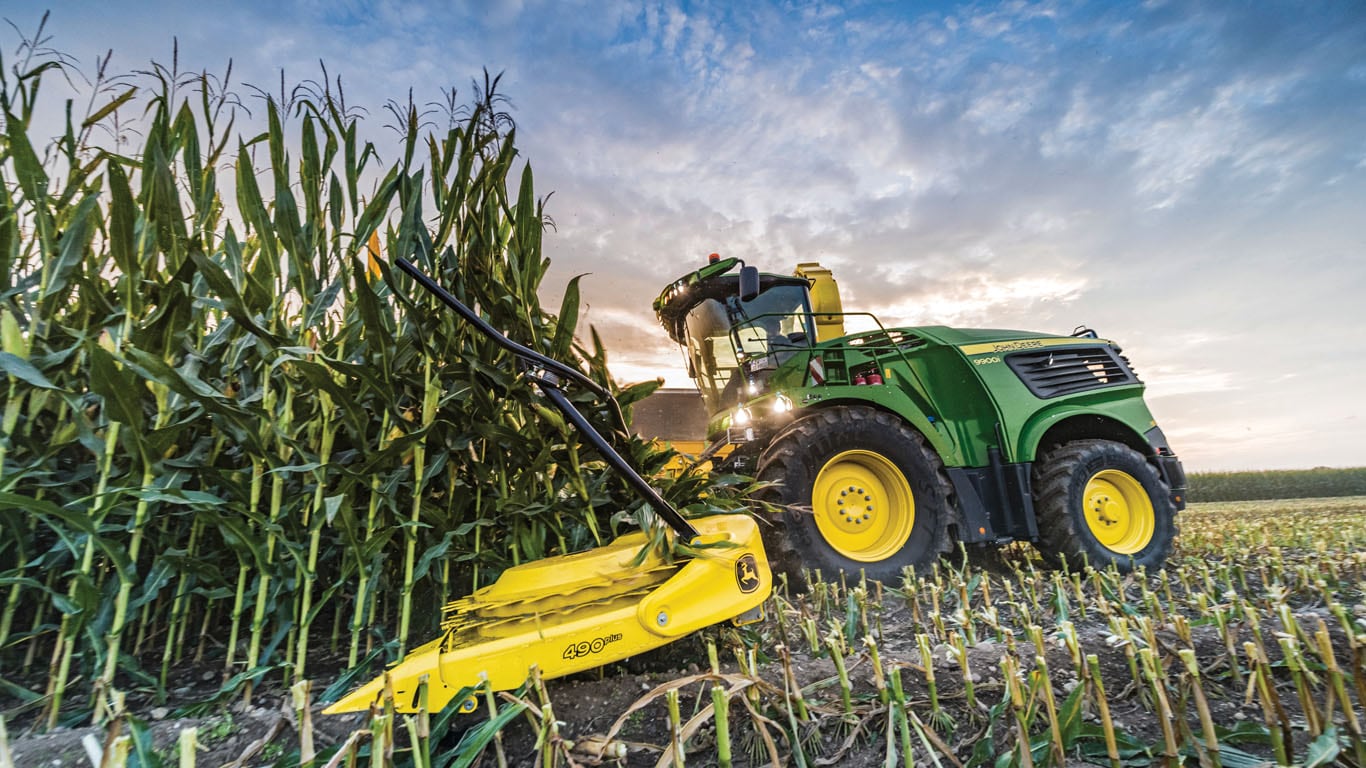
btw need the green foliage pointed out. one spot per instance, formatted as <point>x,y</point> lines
<point>231,415</point>
<point>1322,482</point>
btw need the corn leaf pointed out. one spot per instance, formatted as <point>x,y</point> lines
<point>118,387</point>
<point>73,243</point>
<point>21,369</point>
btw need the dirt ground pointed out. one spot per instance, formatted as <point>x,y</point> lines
<point>623,704</point>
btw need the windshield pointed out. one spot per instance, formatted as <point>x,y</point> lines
<point>770,327</point>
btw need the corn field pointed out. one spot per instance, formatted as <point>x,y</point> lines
<point>1249,649</point>
<point>230,433</point>
<point>1278,484</point>
<point>233,440</point>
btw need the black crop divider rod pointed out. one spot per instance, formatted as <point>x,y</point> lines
<point>526,353</point>
<point>548,380</point>
<point>664,509</point>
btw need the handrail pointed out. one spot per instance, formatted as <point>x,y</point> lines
<point>811,343</point>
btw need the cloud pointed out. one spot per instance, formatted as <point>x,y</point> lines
<point>1163,171</point>
<point>1172,381</point>
<point>972,297</point>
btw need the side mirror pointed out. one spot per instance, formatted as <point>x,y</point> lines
<point>749,283</point>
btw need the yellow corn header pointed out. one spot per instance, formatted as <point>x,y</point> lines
<point>574,612</point>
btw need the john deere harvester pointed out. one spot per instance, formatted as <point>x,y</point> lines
<point>885,448</point>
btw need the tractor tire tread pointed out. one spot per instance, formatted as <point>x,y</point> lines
<point>1062,539</point>
<point>786,451</point>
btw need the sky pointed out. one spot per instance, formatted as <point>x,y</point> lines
<point>1188,178</point>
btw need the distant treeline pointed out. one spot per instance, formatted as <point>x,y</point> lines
<point>1277,484</point>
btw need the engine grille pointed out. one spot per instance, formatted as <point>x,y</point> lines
<point>1058,372</point>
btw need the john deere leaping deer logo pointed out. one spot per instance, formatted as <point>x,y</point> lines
<point>747,573</point>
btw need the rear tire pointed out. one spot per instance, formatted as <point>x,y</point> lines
<point>858,490</point>
<point>1101,503</point>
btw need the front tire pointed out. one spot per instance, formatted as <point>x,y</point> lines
<point>858,490</point>
<point>1101,503</point>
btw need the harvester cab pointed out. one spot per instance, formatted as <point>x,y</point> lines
<point>574,612</point>
<point>737,328</point>
<point>888,447</point>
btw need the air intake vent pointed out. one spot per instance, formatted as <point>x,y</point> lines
<point>1067,371</point>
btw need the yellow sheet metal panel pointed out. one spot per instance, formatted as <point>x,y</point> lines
<point>690,447</point>
<point>728,574</point>
<point>688,451</point>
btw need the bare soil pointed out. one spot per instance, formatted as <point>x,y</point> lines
<point>623,702</point>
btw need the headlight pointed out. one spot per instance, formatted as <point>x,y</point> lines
<point>782,404</point>
<point>741,417</point>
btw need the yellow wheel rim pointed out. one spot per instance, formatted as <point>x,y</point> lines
<point>863,506</point>
<point>1118,511</point>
